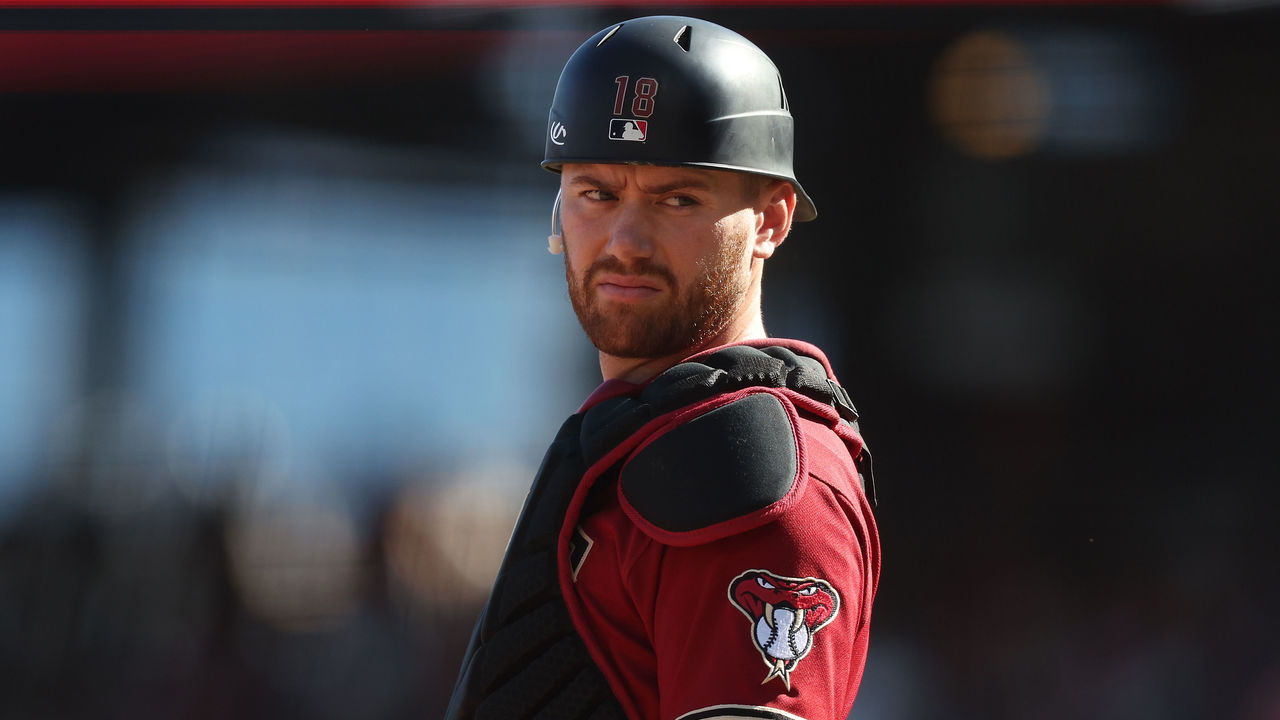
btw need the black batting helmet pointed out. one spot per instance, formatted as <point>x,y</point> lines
<point>669,90</point>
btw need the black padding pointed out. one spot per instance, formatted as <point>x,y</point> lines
<point>609,423</point>
<point>740,366</point>
<point>526,660</point>
<point>730,462</point>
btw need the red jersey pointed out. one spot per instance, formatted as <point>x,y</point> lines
<point>761,617</point>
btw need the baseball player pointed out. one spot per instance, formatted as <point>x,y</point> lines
<point>698,542</point>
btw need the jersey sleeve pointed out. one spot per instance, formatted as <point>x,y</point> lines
<point>767,623</point>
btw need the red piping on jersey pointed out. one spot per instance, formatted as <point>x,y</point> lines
<point>742,523</point>
<point>607,390</point>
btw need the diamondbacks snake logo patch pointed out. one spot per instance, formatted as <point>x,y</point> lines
<point>786,613</point>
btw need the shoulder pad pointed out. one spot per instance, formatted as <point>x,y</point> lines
<point>722,472</point>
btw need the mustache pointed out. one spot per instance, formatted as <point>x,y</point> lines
<point>642,267</point>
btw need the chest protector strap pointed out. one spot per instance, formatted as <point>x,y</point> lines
<point>526,659</point>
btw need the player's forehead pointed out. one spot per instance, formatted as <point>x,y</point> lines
<point>654,178</point>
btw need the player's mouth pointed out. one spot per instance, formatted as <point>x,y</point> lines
<point>627,287</point>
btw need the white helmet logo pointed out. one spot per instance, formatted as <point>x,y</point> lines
<point>558,132</point>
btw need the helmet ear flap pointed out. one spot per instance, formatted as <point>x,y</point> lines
<point>555,241</point>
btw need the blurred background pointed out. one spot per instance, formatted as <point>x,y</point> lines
<point>281,345</point>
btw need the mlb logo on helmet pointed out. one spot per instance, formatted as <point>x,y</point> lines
<point>634,130</point>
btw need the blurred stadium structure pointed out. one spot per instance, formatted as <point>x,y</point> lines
<point>280,345</point>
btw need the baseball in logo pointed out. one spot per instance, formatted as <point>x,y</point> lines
<point>786,613</point>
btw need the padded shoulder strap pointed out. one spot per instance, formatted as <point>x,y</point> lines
<point>718,469</point>
<point>740,366</point>
<point>727,468</point>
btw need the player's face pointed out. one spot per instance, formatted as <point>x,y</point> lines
<point>658,259</point>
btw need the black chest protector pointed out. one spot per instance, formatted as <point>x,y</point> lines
<point>526,659</point>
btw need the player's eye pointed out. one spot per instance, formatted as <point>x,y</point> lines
<point>808,591</point>
<point>764,583</point>
<point>679,201</point>
<point>597,194</point>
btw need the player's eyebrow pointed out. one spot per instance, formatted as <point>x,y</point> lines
<point>582,178</point>
<point>685,183</point>
<point>681,183</point>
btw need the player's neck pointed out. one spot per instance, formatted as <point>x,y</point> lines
<point>639,370</point>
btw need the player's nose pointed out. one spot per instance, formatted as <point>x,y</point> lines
<point>631,232</point>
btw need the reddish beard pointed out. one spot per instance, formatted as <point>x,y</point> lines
<point>681,320</point>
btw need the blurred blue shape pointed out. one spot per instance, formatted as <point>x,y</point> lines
<point>1112,91</point>
<point>41,295</point>
<point>384,322</point>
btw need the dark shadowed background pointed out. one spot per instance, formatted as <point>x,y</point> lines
<point>281,345</point>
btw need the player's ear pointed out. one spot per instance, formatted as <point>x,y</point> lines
<point>775,206</point>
